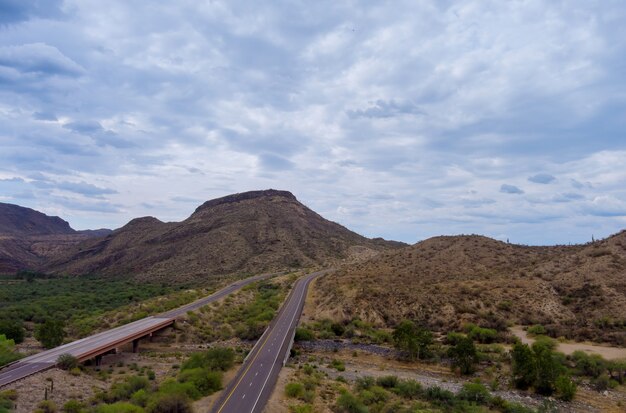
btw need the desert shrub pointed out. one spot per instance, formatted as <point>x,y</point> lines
<point>480,334</point>
<point>588,365</point>
<point>304,334</point>
<point>73,406</point>
<point>119,407</point>
<point>364,382</point>
<point>294,390</point>
<point>124,390</point>
<point>408,389</point>
<point>67,362</point>
<point>565,388</point>
<point>348,403</point>
<point>338,365</point>
<point>204,380</point>
<point>374,394</point>
<point>536,330</point>
<point>387,382</point>
<point>474,392</point>
<point>523,366</point>
<point>303,408</point>
<point>439,395</point>
<point>140,398</point>
<point>170,403</point>
<point>212,359</point>
<point>12,330</point>
<point>7,353</point>
<point>171,386</point>
<point>46,406</point>
<point>51,333</point>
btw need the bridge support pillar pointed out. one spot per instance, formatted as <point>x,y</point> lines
<point>98,360</point>
<point>135,345</point>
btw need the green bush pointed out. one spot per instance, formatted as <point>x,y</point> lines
<point>439,395</point>
<point>480,334</point>
<point>373,395</point>
<point>463,355</point>
<point>7,354</point>
<point>46,406</point>
<point>338,365</point>
<point>536,330</point>
<point>304,334</point>
<point>12,330</point>
<point>213,359</point>
<point>474,392</point>
<point>409,389</point>
<point>67,362</point>
<point>171,386</point>
<point>565,388</point>
<point>119,407</point>
<point>73,406</point>
<point>170,403</point>
<point>51,333</point>
<point>387,382</point>
<point>294,390</point>
<point>347,403</point>
<point>416,341</point>
<point>588,365</point>
<point>205,381</point>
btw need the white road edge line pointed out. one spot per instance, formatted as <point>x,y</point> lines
<point>273,364</point>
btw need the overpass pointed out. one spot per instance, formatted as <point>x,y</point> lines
<point>97,345</point>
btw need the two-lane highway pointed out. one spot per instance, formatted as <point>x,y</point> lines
<point>103,342</point>
<point>253,385</point>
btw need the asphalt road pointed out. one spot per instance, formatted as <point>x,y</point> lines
<point>251,388</point>
<point>101,342</point>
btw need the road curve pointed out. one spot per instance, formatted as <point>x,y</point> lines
<point>102,342</point>
<point>251,388</point>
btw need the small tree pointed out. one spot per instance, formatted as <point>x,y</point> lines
<point>523,368</point>
<point>13,330</point>
<point>565,388</point>
<point>50,333</point>
<point>463,355</point>
<point>67,361</point>
<point>413,339</point>
<point>548,368</point>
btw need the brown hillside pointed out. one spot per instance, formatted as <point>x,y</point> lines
<point>249,232</point>
<point>444,282</point>
<point>28,237</point>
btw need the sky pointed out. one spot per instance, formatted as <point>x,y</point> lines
<point>404,119</point>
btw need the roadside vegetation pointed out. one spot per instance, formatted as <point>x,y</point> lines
<point>244,315</point>
<point>57,309</point>
<point>494,357</point>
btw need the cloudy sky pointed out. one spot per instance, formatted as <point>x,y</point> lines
<point>396,119</point>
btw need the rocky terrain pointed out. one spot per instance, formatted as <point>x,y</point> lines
<point>250,232</point>
<point>445,282</point>
<point>28,238</point>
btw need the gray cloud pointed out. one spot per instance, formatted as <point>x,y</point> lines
<point>38,58</point>
<point>14,11</point>
<point>85,188</point>
<point>386,109</point>
<point>510,189</point>
<point>541,178</point>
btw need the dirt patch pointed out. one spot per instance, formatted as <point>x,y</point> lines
<point>61,386</point>
<point>609,353</point>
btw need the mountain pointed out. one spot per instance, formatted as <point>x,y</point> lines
<point>21,221</point>
<point>248,232</point>
<point>28,238</point>
<point>445,282</point>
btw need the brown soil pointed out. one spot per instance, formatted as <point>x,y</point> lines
<point>444,282</point>
<point>609,353</point>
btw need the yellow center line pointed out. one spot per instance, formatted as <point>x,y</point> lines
<point>246,371</point>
